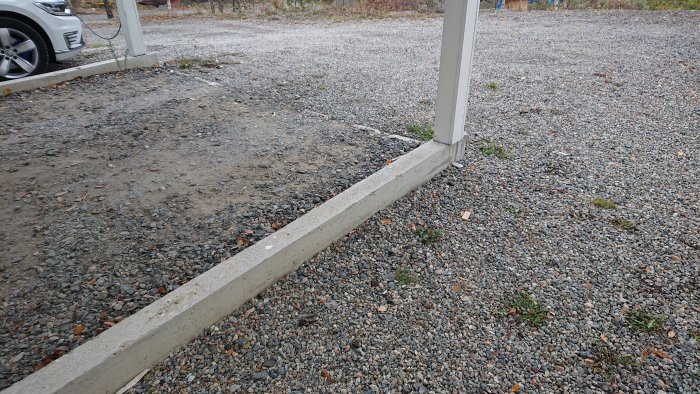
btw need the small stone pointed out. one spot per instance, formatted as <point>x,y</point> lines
<point>259,376</point>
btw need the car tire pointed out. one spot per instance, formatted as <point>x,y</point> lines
<point>21,61</point>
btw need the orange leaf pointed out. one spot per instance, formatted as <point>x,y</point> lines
<point>516,388</point>
<point>661,354</point>
<point>385,221</point>
<point>325,374</point>
<point>6,91</point>
<point>457,288</point>
<point>79,329</point>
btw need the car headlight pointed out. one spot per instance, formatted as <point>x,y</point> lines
<point>54,7</point>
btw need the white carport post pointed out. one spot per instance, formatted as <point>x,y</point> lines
<point>129,18</point>
<point>458,39</point>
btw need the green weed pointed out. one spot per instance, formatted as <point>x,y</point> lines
<point>624,224</point>
<point>525,309</point>
<point>405,275</point>
<point>424,132</point>
<point>428,236</point>
<point>642,321</point>
<point>602,203</point>
<point>492,148</point>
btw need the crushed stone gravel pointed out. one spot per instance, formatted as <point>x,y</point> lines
<point>585,105</point>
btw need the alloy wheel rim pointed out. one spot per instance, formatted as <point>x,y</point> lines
<point>19,56</point>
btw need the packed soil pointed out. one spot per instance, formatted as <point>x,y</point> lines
<point>118,188</point>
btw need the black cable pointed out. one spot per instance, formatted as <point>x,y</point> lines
<point>95,33</point>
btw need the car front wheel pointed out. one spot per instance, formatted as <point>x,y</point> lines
<point>22,50</point>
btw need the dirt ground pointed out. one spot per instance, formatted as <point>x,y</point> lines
<point>117,188</point>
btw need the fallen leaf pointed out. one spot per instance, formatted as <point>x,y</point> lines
<point>109,323</point>
<point>603,338</point>
<point>6,91</point>
<point>382,308</point>
<point>589,304</point>
<point>53,86</point>
<point>516,388</point>
<point>661,354</point>
<point>457,288</point>
<point>79,329</point>
<point>466,215</point>
<point>413,227</point>
<point>325,374</point>
<point>676,258</point>
<point>588,286</point>
<point>103,315</point>
<point>385,221</point>
<point>248,312</point>
<point>92,281</point>
<point>162,290</point>
<point>671,334</point>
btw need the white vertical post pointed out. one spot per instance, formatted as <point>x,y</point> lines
<point>458,38</point>
<point>131,26</point>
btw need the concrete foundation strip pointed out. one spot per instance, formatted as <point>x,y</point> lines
<point>55,77</point>
<point>107,362</point>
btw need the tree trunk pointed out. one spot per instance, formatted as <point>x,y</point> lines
<point>108,9</point>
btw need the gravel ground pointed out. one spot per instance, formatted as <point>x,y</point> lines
<point>587,105</point>
<point>537,289</point>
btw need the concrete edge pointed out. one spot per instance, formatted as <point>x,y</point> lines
<point>110,360</point>
<point>41,80</point>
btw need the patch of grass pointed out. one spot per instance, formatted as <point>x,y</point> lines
<point>602,203</point>
<point>517,211</point>
<point>493,148</point>
<point>641,321</point>
<point>424,132</point>
<point>186,63</point>
<point>624,224</point>
<point>525,309</point>
<point>696,335</point>
<point>606,360</point>
<point>405,275</point>
<point>492,85</point>
<point>428,235</point>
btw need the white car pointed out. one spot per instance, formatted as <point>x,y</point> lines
<point>34,33</point>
